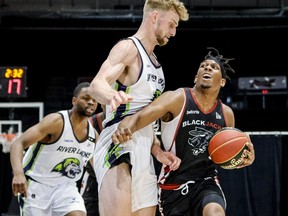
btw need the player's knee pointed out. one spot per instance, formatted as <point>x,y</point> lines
<point>213,209</point>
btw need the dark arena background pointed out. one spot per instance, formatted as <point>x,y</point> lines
<point>53,45</point>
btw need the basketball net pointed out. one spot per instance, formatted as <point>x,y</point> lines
<point>6,139</point>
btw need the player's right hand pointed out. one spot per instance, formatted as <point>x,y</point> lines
<point>19,185</point>
<point>119,98</point>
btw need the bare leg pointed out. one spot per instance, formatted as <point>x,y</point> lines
<point>115,192</point>
<point>213,209</point>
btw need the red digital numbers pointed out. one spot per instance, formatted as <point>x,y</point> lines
<point>14,84</point>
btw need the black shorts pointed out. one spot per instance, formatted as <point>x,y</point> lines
<point>199,194</point>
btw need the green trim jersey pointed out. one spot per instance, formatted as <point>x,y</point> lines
<point>60,162</point>
<point>150,84</point>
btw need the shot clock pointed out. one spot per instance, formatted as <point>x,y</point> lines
<point>13,82</point>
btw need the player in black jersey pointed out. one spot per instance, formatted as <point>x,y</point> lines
<point>190,117</point>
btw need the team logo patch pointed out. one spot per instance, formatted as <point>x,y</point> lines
<point>69,167</point>
<point>199,140</point>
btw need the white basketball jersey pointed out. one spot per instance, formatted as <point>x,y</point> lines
<point>60,162</point>
<point>150,85</point>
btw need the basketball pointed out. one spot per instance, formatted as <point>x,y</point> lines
<point>226,147</point>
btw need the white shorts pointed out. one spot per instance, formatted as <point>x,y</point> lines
<point>144,179</point>
<point>51,201</point>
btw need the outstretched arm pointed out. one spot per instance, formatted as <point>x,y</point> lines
<point>169,102</point>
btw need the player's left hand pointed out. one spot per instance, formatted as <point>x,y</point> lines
<point>249,154</point>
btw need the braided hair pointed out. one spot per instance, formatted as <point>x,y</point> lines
<point>214,55</point>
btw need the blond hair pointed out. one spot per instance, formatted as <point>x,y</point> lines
<point>167,5</point>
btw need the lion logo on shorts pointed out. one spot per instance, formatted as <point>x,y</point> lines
<point>69,167</point>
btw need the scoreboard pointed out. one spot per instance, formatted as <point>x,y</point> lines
<point>13,82</point>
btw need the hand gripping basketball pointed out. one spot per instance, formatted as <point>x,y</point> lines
<point>226,147</point>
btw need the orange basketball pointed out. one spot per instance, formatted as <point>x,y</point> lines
<point>226,147</point>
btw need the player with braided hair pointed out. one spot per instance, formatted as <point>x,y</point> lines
<point>223,62</point>
<point>189,118</point>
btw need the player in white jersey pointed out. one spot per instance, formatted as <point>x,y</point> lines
<point>129,79</point>
<point>60,145</point>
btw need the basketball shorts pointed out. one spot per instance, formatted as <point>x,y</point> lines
<point>191,199</point>
<point>144,179</point>
<point>51,201</point>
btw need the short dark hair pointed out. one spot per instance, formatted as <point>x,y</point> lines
<point>213,54</point>
<point>79,87</point>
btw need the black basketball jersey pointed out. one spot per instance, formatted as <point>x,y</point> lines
<point>192,133</point>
